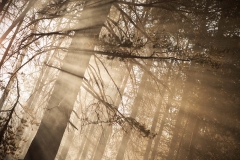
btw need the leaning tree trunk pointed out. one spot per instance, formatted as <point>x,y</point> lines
<point>33,102</point>
<point>47,140</point>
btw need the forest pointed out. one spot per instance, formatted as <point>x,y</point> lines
<point>120,80</point>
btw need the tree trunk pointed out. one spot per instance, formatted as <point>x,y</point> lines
<point>126,137</point>
<point>33,104</point>
<point>193,112</point>
<point>180,117</point>
<point>2,4</point>
<point>108,129</point>
<point>193,137</point>
<point>47,140</point>
<point>84,142</point>
<point>155,119</point>
<point>164,119</point>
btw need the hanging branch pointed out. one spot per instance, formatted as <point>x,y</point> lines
<point>120,119</point>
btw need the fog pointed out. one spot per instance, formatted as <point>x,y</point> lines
<point>119,80</point>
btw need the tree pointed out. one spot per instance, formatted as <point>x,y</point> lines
<point>61,103</point>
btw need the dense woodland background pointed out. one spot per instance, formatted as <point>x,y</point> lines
<point>120,79</point>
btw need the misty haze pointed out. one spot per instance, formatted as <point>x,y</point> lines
<point>120,80</point>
